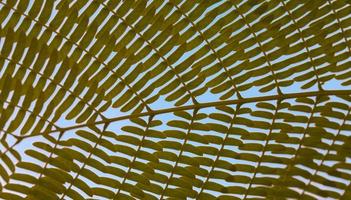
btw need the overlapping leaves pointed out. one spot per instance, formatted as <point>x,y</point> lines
<point>180,99</point>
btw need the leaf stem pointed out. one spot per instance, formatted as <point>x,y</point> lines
<point>205,105</point>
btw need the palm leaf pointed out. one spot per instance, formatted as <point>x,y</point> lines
<point>175,99</point>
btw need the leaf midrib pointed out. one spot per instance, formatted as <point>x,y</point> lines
<point>199,106</point>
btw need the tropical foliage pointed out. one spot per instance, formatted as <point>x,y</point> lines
<point>236,99</point>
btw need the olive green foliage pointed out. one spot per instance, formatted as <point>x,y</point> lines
<point>175,99</point>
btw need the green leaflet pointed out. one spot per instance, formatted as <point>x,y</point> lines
<point>174,100</point>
